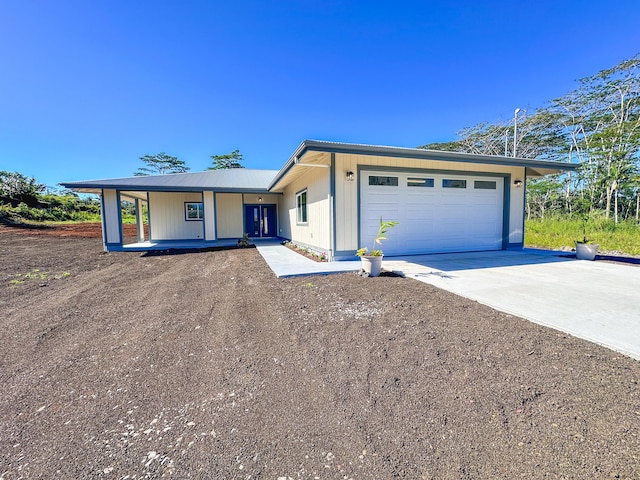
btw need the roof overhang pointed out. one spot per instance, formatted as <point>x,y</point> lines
<point>298,165</point>
<point>302,156</point>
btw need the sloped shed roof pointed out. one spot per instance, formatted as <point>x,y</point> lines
<point>534,167</point>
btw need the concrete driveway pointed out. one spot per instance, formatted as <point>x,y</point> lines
<point>596,301</point>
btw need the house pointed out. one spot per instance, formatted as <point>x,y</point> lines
<point>329,197</point>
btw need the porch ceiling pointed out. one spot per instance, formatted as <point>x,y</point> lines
<point>134,195</point>
<point>309,161</point>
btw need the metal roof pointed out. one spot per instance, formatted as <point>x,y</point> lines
<point>534,167</point>
<point>229,180</point>
<point>263,181</point>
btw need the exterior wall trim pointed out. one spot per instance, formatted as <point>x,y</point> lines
<point>506,211</point>
<point>332,206</point>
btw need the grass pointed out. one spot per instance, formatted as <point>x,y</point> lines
<point>90,218</point>
<point>36,274</point>
<point>557,232</point>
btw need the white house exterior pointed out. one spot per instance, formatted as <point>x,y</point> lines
<point>330,197</point>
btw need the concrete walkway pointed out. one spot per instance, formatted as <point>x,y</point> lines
<point>286,263</point>
<point>596,301</point>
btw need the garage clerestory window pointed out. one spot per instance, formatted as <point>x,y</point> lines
<point>448,183</point>
<point>384,181</point>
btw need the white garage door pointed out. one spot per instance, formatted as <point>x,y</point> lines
<point>437,212</point>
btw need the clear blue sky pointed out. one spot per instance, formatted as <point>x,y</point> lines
<point>87,87</point>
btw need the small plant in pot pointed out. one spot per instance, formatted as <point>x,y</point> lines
<point>372,259</point>
<point>585,249</point>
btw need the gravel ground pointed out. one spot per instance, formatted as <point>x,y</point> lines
<point>204,365</point>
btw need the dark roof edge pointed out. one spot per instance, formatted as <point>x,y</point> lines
<point>420,153</point>
<point>132,188</point>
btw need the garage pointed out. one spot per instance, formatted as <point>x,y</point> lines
<point>438,212</point>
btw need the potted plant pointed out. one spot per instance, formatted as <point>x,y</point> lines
<point>372,260</point>
<point>585,249</point>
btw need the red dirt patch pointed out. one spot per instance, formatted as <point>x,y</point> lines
<point>82,230</point>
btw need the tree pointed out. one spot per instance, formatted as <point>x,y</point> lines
<point>160,164</point>
<point>596,125</point>
<point>16,188</point>
<point>538,136</point>
<point>601,124</point>
<point>229,160</point>
<point>544,195</point>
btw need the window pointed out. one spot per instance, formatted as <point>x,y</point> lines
<point>383,181</point>
<point>193,211</point>
<point>301,207</point>
<point>420,182</point>
<point>484,185</point>
<point>448,183</point>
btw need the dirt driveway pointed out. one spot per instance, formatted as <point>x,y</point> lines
<point>204,365</point>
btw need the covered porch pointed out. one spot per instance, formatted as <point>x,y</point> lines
<point>188,210</point>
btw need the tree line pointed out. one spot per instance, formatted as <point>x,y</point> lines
<point>596,125</point>
<point>24,198</point>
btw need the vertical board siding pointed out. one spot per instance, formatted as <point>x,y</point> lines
<point>167,217</point>
<point>346,195</point>
<point>229,215</point>
<point>111,216</point>
<point>317,232</point>
<point>209,216</point>
<point>267,199</point>
<point>516,214</point>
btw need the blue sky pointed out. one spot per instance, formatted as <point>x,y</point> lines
<point>87,87</point>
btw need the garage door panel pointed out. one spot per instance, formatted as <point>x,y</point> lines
<point>433,218</point>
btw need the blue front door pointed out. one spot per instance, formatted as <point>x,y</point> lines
<point>260,220</point>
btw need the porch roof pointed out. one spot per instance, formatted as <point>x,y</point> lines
<point>229,180</point>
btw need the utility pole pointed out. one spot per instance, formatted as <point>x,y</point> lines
<point>515,130</point>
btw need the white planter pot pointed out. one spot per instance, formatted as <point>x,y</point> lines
<point>586,251</point>
<point>372,264</point>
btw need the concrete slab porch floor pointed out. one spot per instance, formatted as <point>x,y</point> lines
<point>596,301</point>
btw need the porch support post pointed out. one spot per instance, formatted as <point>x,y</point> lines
<point>111,219</point>
<point>139,220</point>
<point>209,215</point>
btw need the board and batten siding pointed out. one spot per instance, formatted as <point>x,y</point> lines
<point>229,215</point>
<point>167,216</point>
<point>110,217</point>
<point>316,233</point>
<point>346,193</point>
<point>267,199</point>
